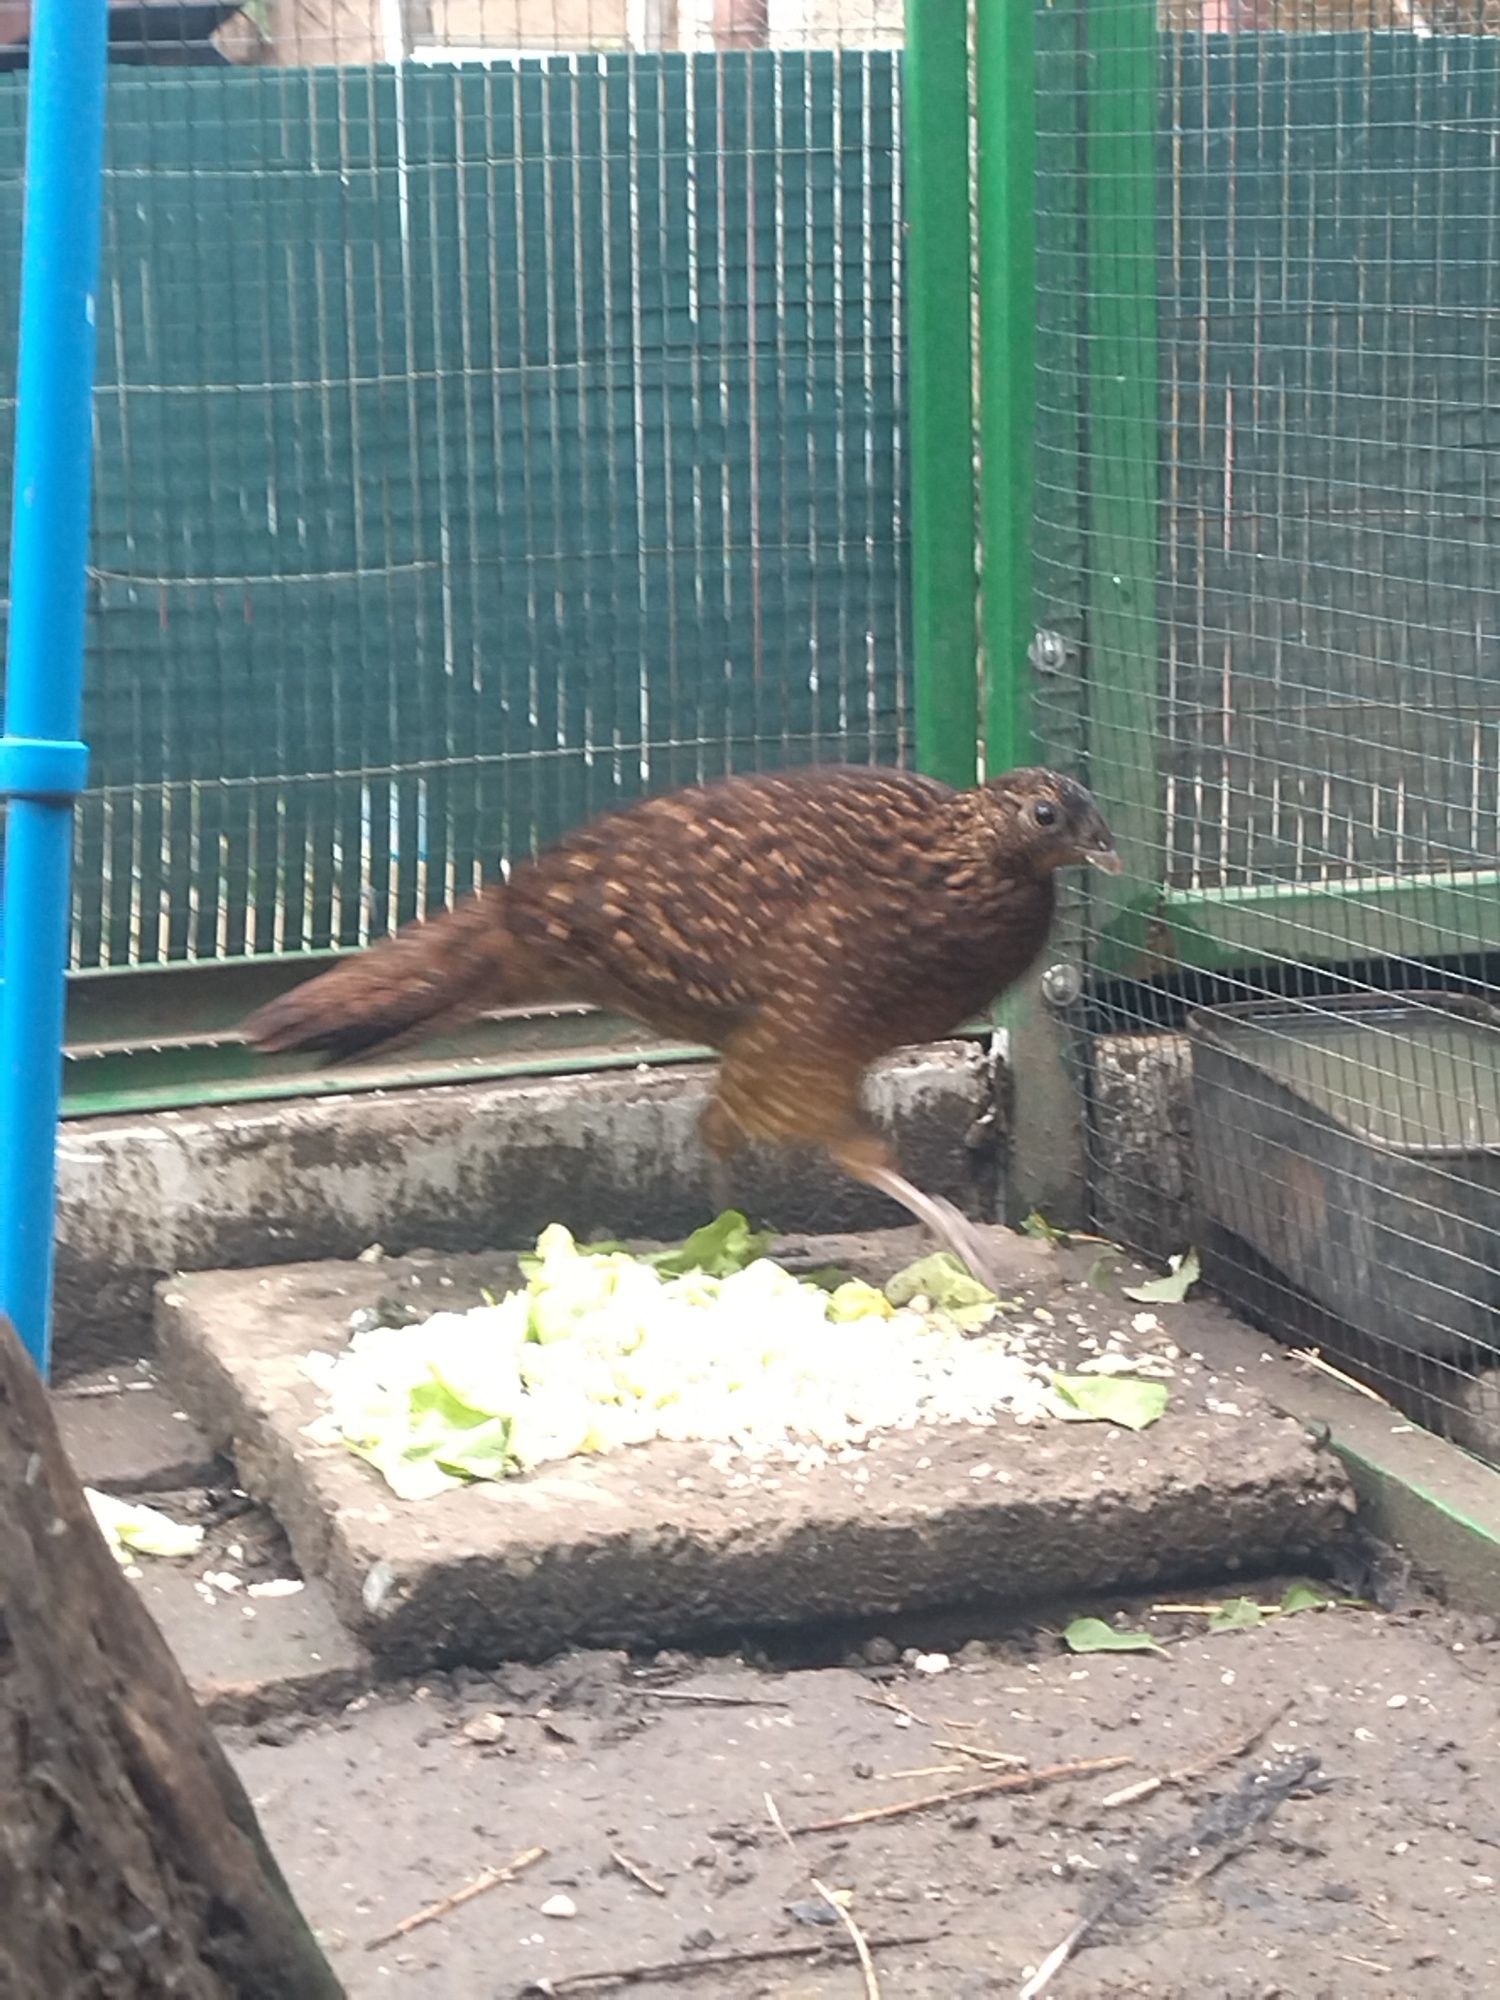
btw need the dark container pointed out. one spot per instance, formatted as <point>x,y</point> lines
<point>1354,1145</point>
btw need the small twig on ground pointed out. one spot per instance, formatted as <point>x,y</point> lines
<point>1381,1918</point>
<point>980,1755</point>
<point>896,1707</point>
<point>1205,1610</point>
<point>1311,1358</point>
<point>773,1813</point>
<point>1056,1959</point>
<point>701,1698</point>
<point>1008,1781</point>
<point>715,1961</point>
<point>635,1871</point>
<point>487,1878</point>
<point>856,1938</point>
<point>1221,1753</point>
<point>856,1935</point>
<point>87,1392</point>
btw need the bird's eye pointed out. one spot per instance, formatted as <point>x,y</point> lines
<point>1044,813</point>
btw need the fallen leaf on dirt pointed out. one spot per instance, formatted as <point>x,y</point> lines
<point>1238,1614</point>
<point>1305,1597</point>
<point>136,1530</point>
<point>1037,1226</point>
<point>1183,1273</point>
<point>1126,1400</point>
<point>1092,1635</point>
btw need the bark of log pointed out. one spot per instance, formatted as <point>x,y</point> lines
<point>131,1864</point>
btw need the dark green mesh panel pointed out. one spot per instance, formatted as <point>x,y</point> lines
<point>476,448</point>
<point>1267,550</point>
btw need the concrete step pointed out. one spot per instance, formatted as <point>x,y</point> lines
<point>458,1168</point>
<point>654,1545</point>
<point>248,1655</point>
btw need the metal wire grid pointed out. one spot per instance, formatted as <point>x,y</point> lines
<point>1292,531</point>
<point>478,446</point>
<point>1328,594</point>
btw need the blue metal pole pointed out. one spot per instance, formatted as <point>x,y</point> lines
<point>42,763</point>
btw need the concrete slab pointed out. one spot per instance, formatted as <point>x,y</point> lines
<point>124,1434</point>
<point>456,1168</point>
<point>653,1544</point>
<point>247,1656</point>
<point>247,1659</point>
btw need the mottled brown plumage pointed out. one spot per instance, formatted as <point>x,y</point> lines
<point>802,924</point>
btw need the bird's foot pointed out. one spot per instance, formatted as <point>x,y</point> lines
<point>949,1225</point>
<point>957,1233</point>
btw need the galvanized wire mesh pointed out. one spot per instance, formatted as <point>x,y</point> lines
<point>485,435</point>
<point>1266,526</point>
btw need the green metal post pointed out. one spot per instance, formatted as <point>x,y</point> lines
<point>936,138</point>
<point>1005,87</point>
<point>1045,1167</point>
<point>1121,53</point>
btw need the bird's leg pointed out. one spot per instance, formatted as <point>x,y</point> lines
<point>866,1157</point>
<point>784,1084</point>
<point>949,1225</point>
<point>721,1138</point>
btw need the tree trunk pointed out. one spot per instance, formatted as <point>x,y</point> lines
<point>131,1865</point>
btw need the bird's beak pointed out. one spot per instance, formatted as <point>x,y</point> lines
<point>1106,859</point>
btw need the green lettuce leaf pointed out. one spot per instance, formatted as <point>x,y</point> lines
<point>1108,1399</point>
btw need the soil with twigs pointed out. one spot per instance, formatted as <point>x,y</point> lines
<point>1306,1808</point>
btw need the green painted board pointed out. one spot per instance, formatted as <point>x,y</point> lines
<point>1421,917</point>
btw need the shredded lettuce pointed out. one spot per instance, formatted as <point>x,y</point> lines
<point>132,1529</point>
<point>947,1286</point>
<point>601,1348</point>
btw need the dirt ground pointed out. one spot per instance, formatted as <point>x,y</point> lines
<point>1354,1849</point>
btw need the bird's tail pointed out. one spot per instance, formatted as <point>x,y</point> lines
<point>429,977</point>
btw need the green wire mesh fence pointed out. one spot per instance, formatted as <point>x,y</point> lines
<point>503,412</point>
<point>1268,579</point>
<point>500,414</point>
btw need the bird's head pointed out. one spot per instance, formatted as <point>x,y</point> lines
<point>1054,820</point>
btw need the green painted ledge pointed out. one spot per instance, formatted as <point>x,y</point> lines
<point>1421,1495</point>
<point>1420,916</point>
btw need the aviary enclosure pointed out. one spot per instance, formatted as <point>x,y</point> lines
<point>506,410</point>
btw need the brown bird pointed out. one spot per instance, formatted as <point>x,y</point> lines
<point>802,924</point>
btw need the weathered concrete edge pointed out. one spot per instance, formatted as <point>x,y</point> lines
<point>460,1167</point>
<point>1425,1497</point>
<point>979,1555</point>
<point>125,1438</point>
<point>1083,1512</point>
